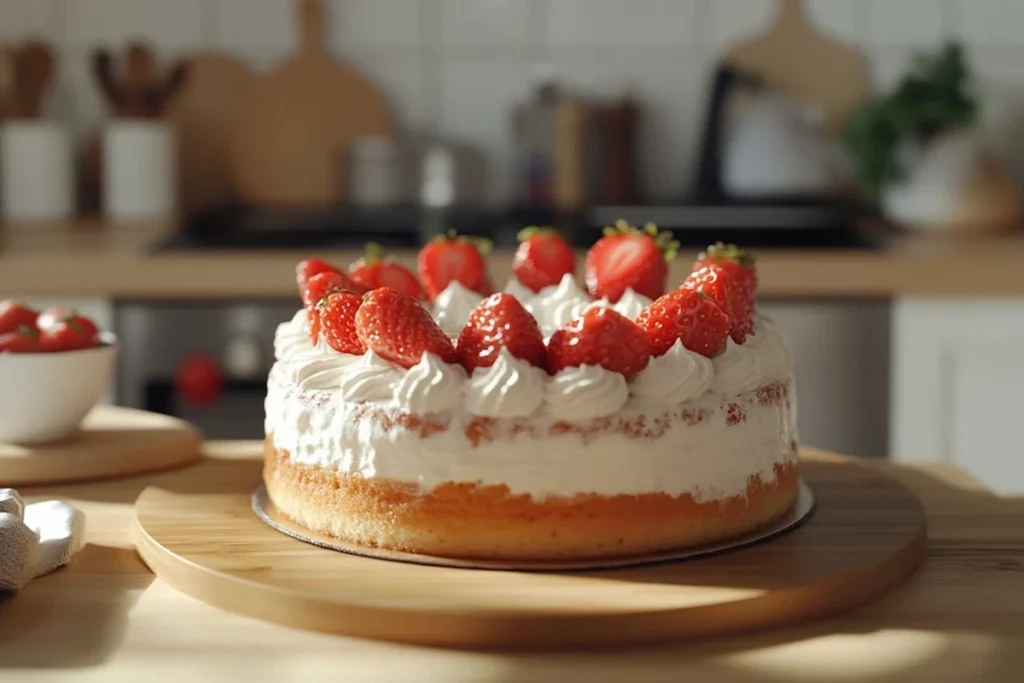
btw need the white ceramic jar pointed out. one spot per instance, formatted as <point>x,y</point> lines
<point>139,170</point>
<point>36,171</point>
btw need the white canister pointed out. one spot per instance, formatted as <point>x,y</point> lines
<point>139,170</point>
<point>36,171</point>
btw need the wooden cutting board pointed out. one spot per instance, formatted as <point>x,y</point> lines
<point>794,57</point>
<point>295,122</point>
<point>867,535</point>
<point>112,442</point>
<point>203,115</point>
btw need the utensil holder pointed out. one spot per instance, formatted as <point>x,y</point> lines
<point>36,171</point>
<point>139,170</point>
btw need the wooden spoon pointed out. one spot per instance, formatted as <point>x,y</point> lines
<point>33,71</point>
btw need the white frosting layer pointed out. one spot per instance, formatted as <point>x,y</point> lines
<point>695,448</point>
<point>553,307</point>
<point>513,388</point>
<point>509,388</point>
<point>629,305</point>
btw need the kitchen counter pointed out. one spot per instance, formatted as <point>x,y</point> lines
<point>92,259</point>
<point>105,617</point>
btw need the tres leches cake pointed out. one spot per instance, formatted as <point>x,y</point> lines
<point>547,421</point>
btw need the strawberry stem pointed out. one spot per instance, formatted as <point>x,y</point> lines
<point>534,231</point>
<point>663,238</point>
<point>374,253</point>
<point>727,252</point>
<point>482,244</point>
<point>27,331</point>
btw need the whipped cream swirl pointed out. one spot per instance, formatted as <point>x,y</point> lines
<point>629,305</point>
<point>774,354</point>
<point>371,378</point>
<point>453,306</point>
<point>585,392</point>
<point>553,307</point>
<point>509,388</point>
<point>430,386</point>
<point>323,370</point>
<point>292,337</point>
<point>737,370</point>
<point>677,376</point>
<point>521,292</point>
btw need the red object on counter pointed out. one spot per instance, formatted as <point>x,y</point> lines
<point>198,380</point>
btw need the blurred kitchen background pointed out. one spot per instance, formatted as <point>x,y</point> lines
<point>811,132</point>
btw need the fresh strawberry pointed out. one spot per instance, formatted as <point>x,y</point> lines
<point>497,322</point>
<point>600,336</point>
<point>453,257</point>
<point>70,333</point>
<point>542,258</point>
<point>51,316</point>
<point>688,316</point>
<point>198,380</point>
<point>14,315</point>
<point>318,287</point>
<point>397,328</point>
<point>726,274</point>
<point>374,270</point>
<point>627,257</point>
<point>310,267</point>
<point>22,339</point>
<point>337,315</point>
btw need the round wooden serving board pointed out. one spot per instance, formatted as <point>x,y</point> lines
<point>112,442</point>
<point>867,534</point>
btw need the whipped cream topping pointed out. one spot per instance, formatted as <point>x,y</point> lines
<point>521,292</point>
<point>737,370</point>
<point>430,386</point>
<point>514,388</point>
<point>629,305</point>
<point>453,306</point>
<point>585,392</point>
<point>509,388</point>
<point>553,307</point>
<point>371,378</point>
<point>675,377</point>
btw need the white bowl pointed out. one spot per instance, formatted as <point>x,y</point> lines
<point>45,396</point>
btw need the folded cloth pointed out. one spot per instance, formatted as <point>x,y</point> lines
<point>36,539</point>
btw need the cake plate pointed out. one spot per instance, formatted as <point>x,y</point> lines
<point>867,534</point>
<point>112,442</point>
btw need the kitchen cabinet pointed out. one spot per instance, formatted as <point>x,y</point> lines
<point>958,386</point>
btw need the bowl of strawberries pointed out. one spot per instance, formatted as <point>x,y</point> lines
<point>55,366</point>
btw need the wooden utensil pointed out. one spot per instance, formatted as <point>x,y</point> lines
<point>295,123</point>
<point>6,81</point>
<point>33,71</point>
<point>203,113</point>
<point>794,57</point>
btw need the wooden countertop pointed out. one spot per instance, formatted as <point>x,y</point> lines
<point>93,259</point>
<point>105,617</point>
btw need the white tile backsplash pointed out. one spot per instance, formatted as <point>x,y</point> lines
<point>487,23</point>
<point>181,24</point>
<point>917,23</point>
<point>616,23</point>
<point>457,66</point>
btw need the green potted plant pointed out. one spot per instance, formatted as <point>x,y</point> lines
<point>919,158</point>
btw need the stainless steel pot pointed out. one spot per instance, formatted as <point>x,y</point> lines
<point>383,172</point>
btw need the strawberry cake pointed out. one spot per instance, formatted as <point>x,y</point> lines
<point>425,413</point>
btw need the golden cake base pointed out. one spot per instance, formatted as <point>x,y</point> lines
<point>867,534</point>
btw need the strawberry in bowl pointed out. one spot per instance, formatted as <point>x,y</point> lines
<point>56,366</point>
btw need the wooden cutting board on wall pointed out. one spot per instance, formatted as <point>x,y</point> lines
<point>295,122</point>
<point>795,57</point>
<point>203,114</point>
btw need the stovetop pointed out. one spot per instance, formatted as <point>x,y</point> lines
<point>695,226</point>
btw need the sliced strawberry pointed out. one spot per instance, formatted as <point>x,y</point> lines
<point>498,322</point>
<point>310,267</point>
<point>398,329</point>
<point>337,316</point>
<point>14,315</point>
<point>22,339</point>
<point>542,258</point>
<point>600,336</point>
<point>374,270</point>
<point>687,316</point>
<point>629,258</point>
<point>727,276</point>
<point>453,257</point>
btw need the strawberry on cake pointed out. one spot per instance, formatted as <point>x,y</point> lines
<point>424,413</point>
